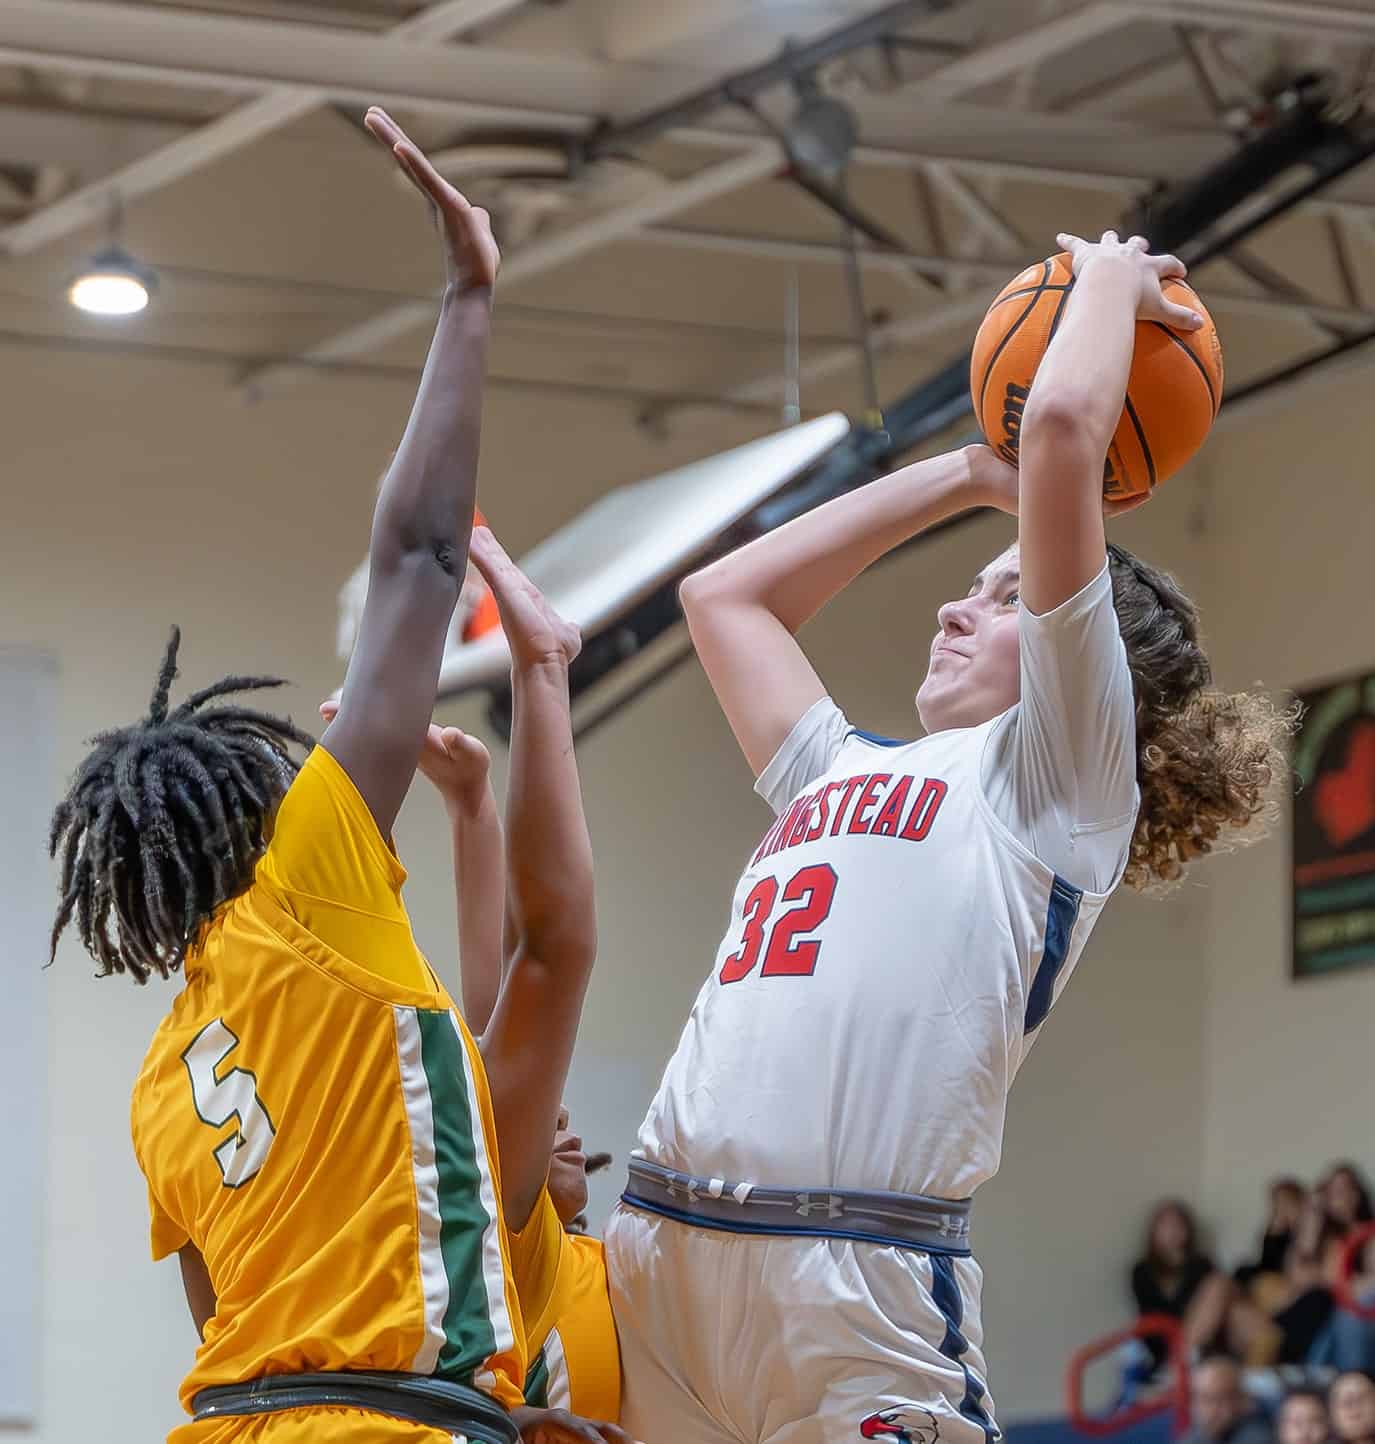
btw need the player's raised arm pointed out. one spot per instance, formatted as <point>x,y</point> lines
<point>424,513</point>
<point>528,1044</point>
<point>1074,408</point>
<point>743,610</point>
<point>459,766</point>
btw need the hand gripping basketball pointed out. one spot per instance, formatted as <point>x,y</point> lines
<point>1175,387</point>
<point>1152,303</point>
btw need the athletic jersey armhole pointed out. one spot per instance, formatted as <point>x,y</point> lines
<point>342,794</point>
<point>1010,838</point>
<point>808,750</point>
<point>165,1235</point>
<point>537,1255</point>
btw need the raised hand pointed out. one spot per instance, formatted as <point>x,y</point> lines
<point>534,630</point>
<point>557,1426</point>
<point>457,763</point>
<point>1152,304</point>
<point>470,250</point>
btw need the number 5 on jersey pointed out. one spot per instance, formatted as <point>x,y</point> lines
<point>232,1098</point>
<point>787,955</point>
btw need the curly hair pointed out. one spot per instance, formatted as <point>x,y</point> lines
<point>1208,762</point>
<point>165,821</point>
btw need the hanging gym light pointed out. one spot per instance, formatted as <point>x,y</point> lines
<point>112,284</point>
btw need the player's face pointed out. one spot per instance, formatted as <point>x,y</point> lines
<point>973,674</point>
<point>567,1172</point>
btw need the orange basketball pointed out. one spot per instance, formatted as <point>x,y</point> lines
<point>1172,397</point>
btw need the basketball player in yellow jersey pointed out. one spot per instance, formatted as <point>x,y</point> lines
<point>527,1011</point>
<point>312,1117</point>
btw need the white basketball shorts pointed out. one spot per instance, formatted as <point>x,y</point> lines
<point>731,1338</point>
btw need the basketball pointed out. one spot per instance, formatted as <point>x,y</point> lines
<point>1173,393</point>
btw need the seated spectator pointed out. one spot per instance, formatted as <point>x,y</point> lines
<point>1287,1197</point>
<point>1303,1418</point>
<point>1222,1411</point>
<point>1351,1403</point>
<point>1347,1343</point>
<point>1177,1278</point>
<point>1302,1310</point>
<point>1346,1196</point>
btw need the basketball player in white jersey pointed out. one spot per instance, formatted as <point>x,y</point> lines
<point>791,1262</point>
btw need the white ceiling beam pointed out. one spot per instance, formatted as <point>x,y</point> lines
<point>635,30</point>
<point>777,248</point>
<point>1024,49</point>
<point>517,88</point>
<point>1333,22</point>
<point>1128,182</point>
<point>31,135</point>
<point>447,18</point>
<point>563,246</point>
<point>192,151</point>
<point>1155,80</point>
<point>205,50</point>
<point>170,159</point>
<point>984,217</point>
<point>991,272</point>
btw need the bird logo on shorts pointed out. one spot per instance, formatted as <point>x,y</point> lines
<point>902,1426</point>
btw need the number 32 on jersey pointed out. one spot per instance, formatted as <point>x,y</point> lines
<point>783,940</point>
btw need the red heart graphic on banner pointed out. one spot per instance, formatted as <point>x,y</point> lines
<point>1344,799</point>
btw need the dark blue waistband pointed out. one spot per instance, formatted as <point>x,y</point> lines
<point>897,1220</point>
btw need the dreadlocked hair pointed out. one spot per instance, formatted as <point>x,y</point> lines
<point>1208,762</point>
<point>165,821</point>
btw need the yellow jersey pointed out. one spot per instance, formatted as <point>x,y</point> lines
<point>575,1360</point>
<point>313,1116</point>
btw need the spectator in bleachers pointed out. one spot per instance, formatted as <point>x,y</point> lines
<point>1175,1277</point>
<point>1222,1410</point>
<point>1348,1341</point>
<point>1303,1418</point>
<point>1351,1403</point>
<point>1265,1273</point>
<point>1303,1310</point>
<point>1346,1196</point>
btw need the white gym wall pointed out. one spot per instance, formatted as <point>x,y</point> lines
<point>241,534</point>
<point>28,714</point>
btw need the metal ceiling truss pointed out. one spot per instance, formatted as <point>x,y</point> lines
<point>577,97</point>
<point>1198,219</point>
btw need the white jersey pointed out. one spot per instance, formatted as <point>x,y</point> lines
<point>902,931</point>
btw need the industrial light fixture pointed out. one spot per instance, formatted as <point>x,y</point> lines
<point>113,283</point>
<point>823,132</point>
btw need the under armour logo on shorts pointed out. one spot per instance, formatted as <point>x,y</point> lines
<point>830,1205</point>
<point>903,1425</point>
